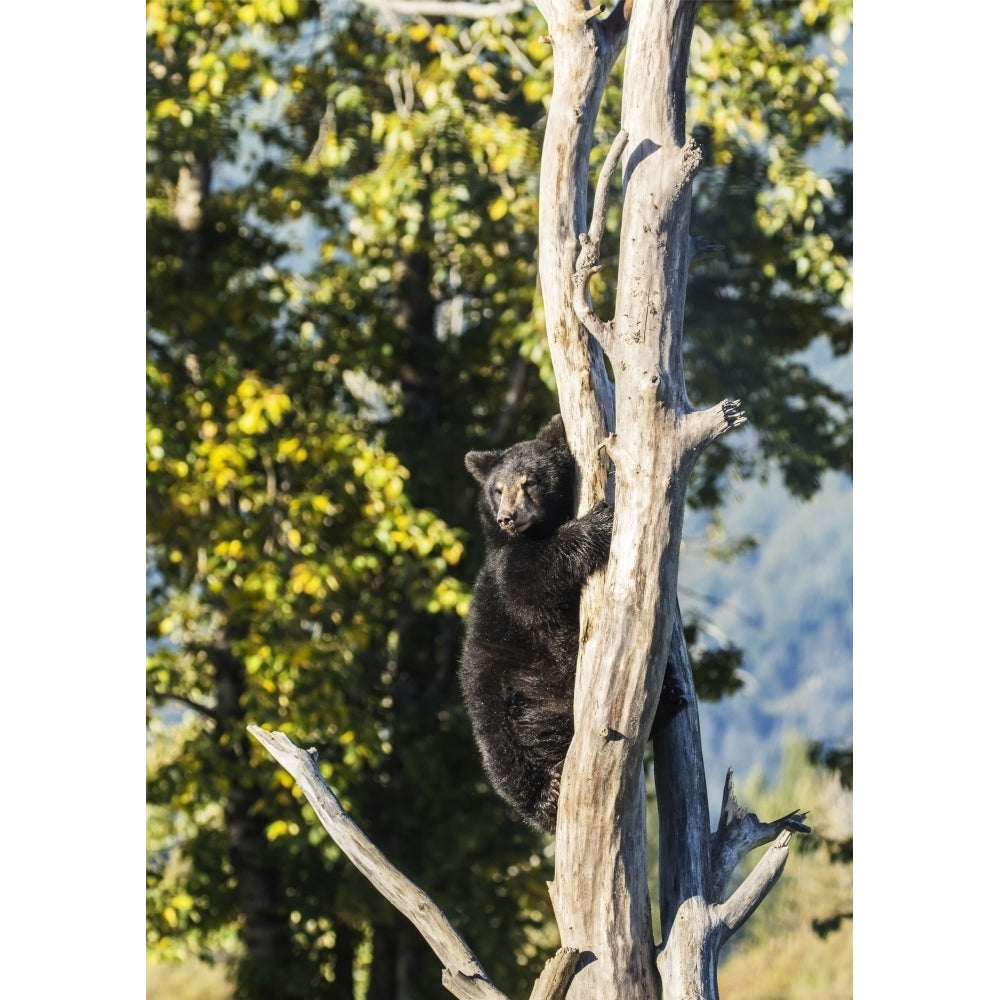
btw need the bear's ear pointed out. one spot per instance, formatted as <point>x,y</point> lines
<point>482,463</point>
<point>554,433</point>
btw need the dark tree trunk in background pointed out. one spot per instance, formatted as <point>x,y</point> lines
<point>265,930</point>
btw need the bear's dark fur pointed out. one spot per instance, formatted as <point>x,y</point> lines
<point>522,635</point>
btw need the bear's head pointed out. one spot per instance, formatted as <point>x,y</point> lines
<point>529,486</point>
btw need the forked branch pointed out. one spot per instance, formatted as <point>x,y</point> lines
<point>739,833</point>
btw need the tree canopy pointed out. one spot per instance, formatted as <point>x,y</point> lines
<point>342,300</point>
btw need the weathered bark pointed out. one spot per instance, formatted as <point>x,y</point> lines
<point>599,898</point>
<point>554,981</point>
<point>739,833</point>
<point>599,891</point>
<point>584,51</point>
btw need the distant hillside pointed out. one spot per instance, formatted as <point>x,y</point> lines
<point>788,605</point>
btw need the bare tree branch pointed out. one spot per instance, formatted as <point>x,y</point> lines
<point>701,427</point>
<point>556,976</point>
<point>588,263</point>
<point>517,379</point>
<point>583,54</point>
<point>327,125</point>
<point>205,710</point>
<point>736,910</point>
<point>599,215</point>
<point>741,831</point>
<point>463,976</point>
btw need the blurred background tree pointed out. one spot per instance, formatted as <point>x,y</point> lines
<point>341,295</point>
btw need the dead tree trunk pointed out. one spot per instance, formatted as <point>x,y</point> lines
<point>630,621</point>
<point>641,423</point>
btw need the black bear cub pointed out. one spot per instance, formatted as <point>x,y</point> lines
<point>522,635</point>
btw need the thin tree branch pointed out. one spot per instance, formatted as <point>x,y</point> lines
<point>587,265</point>
<point>599,216</point>
<point>588,262</point>
<point>516,381</point>
<point>589,13</point>
<point>204,710</point>
<point>327,124</point>
<point>740,832</point>
<point>748,896</point>
<point>463,976</point>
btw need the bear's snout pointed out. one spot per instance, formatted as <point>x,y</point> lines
<point>508,522</point>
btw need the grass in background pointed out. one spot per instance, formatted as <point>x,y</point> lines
<point>186,980</point>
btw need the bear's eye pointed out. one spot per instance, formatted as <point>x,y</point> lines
<point>498,490</point>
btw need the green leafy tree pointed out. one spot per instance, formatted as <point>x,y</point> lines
<point>341,301</point>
